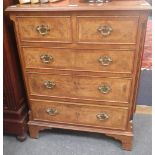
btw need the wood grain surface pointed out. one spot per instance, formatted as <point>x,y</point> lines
<point>85,87</point>
<point>75,76</point>
<point>124,29</point>
<point>84,60</point>
<point>59,28</point>
<point>80,114</point>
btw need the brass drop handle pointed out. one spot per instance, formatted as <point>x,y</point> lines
<point>102,116</point>
<point>49,84</point>
<point>46,58</point>
<point>43,29</point>
<point>51,111</point>
<point>105,30</point>
<point>104,89</point>
<point>105,60</point>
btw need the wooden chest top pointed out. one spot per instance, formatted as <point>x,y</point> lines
<point>74,5</point>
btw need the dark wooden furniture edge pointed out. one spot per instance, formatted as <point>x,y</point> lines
<point>15,123</point>
<point>15,115</point>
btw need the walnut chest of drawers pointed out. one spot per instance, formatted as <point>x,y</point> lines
<point>81,64</point>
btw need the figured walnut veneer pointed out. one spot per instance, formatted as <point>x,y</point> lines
<point>81,64</point>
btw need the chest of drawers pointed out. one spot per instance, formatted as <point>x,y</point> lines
<point>81,64</point>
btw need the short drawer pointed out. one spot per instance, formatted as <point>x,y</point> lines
<point>43,28</point>
<point>80,87</point>
<point>81,60</point>
<point>107,29</point>
<point>96,116</point>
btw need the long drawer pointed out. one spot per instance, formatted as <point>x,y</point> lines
<point>83,60</point>
<point>107,29</point>
<point>82,87</point>
<point>96,116</point>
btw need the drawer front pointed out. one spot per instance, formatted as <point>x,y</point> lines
<point>84,60</point>
<point>104,61</point>
<point>52,29</point>
<point>48,58</point>
<point>99,116</point>
<point>89,88</point>
<point>107,30</point>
